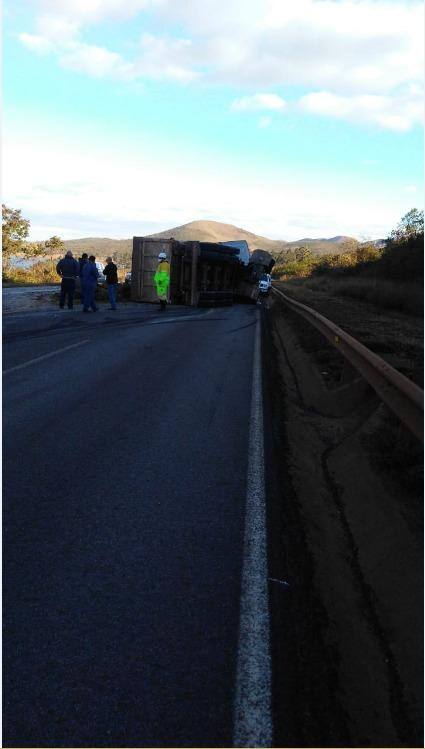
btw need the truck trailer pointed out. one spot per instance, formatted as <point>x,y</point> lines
<point>201,273</point>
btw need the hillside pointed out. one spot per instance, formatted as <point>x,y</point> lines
<point>100,246</point>
<point>323,245</point>
<point>205,231</point>
<point>215,231</point>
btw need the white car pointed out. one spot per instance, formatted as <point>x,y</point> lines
<point>265,283</point>
<point>102,278</point>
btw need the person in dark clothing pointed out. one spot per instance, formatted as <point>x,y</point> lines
<point>90,276</point>
<point>111,272</point>
<point>68,270</point>
<point>81,262</point>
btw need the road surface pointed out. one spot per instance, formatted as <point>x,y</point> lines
<point>126,462</point>
<point>143,606</point>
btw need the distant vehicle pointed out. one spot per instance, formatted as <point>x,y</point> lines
<point>265,283</point>
<point>102,277</point>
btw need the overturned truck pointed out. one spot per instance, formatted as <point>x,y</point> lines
<point>201,273</point>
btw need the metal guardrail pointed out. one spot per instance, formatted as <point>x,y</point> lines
<point>399,393</point>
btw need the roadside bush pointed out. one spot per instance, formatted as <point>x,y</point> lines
<point>40,273</point>
<point>404,259</point>
<point>329,264</point>
<point>295,268</point>
<point>367,253</point>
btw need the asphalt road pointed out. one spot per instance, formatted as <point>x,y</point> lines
<point>126,443</point>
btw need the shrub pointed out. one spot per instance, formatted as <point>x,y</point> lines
<point>295,268</point>
<point>404,259</point>
<point>39,273</point>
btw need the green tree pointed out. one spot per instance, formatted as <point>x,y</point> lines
<point>15,230</point>
<point>303,253</point>
<point>403,257</point>
<point>409,227</point>
<point>288,256</point>
<point>367,252</point>
<point>54,245</point>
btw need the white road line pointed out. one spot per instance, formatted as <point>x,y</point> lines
<point>177,319</point>
<point>45,356</point>
<point>253,725</point>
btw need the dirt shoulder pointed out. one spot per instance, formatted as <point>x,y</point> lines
<point>396,337</point>
<point>23,298</point>
<point>345,536</point>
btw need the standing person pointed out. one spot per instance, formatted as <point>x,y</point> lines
<point>81,262</point>
<point>90,276</point>
<point>111,272</point>
<point>162,279</point>
<point>67,268</point>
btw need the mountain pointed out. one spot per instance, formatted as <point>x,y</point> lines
<point>206,231</point>
<point>101,246</point>
<point>215,231</point>
<point>334,240</point>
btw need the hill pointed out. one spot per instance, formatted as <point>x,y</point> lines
<point>99,246</point>
<point>323,245</point>
<point>215,231</point>
<point>206,231</point>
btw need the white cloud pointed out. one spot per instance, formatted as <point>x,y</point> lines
<point>352,50</point>
<point>57,29</point>
<point>386,111</point>
<point>96,61</point>
<point>165,58</point>
<point>36,43</point>
<point>389,112</point>
<point>264,122</point>
<point>259,102</point>
<point>94,11</point>
<point>87,188</point>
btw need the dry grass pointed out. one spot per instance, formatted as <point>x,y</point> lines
<point>400,296</point>
<point>40,273</point>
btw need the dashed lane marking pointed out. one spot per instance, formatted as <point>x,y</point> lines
<point>180,317</point>
<point>45,356</point>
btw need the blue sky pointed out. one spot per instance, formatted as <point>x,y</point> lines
<point>287,120</point>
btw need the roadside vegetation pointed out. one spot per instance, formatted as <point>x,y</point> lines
<point>40,273</point>
<point>43,256</point>
<point>390,276</point>
<point>15,246</point>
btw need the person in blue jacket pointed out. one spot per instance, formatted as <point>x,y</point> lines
<point>67,269</point>
<point>82,261</point>
<point>90,276</point>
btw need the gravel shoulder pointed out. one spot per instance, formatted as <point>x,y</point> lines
<point>22,298</point>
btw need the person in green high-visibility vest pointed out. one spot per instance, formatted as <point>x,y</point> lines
<point>162,279</point>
